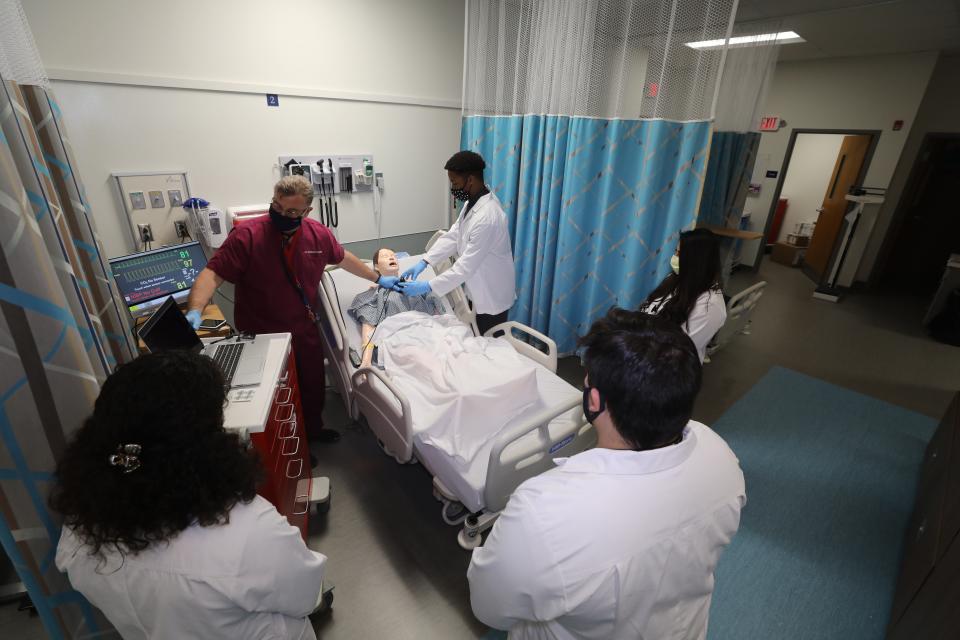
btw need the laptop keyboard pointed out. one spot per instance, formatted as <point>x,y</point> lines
<point>227,357</point>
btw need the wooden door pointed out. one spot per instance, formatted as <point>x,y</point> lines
<point>846,170</point>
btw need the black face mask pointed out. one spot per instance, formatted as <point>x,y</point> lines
<point>282,223</point>
<point>460,193</point>
<point>592,415</point>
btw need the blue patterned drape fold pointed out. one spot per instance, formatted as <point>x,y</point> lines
<point>732,156</point>
<point>595,207</point>
<point>61,333</point>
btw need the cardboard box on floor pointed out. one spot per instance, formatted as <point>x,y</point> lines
<point>787,254</point>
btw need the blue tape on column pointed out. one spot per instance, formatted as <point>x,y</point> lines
<point>38,201</point>
<point>63,166</point>
<point>29,580</point>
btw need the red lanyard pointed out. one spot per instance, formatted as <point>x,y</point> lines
<point>294,281</point>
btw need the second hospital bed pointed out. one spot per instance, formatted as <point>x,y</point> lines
<point>472,492</point>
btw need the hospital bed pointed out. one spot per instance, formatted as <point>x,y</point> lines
<point>474,492</point>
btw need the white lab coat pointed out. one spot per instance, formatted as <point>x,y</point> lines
<point>484,263</point>
<point>251,578</point>
<point>612,544</point>
<point>708,315</point>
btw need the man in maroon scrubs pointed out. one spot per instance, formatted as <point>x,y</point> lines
<point>276,263</point>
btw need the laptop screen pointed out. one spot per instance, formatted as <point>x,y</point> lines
<point>169,329</point>
<point>146,279</point>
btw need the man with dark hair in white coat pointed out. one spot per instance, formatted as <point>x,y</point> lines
<point>620,541</point>
<point>480,239</point>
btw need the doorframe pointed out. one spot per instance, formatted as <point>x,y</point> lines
<point>782,176</point>
<point>900,213</point>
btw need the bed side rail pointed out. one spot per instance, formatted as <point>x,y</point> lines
<point>332,311</point>
<point>393,428</point>
<point>739,316</point>
<point>508,466</point>
<point>335,346</point>
<point>508,330</point>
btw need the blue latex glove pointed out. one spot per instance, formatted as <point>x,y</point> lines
<point>414,272</point>
<point>193,317</point>
<point>388,282</point>
<point>415,288</point>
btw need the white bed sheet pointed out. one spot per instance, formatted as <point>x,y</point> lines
<point>465,478</point>
<point>462,390</point>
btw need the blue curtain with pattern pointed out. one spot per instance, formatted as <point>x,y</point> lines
<point>595,208</point>
<point>732,157</point>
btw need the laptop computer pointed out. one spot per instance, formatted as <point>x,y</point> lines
<point>241,362</point>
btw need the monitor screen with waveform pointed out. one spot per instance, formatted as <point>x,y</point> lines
<point>146,279</point>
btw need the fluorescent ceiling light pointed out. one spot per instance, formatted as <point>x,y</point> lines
<point>784,37</point>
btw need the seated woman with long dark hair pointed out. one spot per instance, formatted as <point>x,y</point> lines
<point>691,296</point>
<point>163,529</point>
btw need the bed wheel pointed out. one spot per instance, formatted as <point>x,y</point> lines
<point>454,513</point>
<point>326,603</point>
<point>469,542</point>
<point>323,508</point>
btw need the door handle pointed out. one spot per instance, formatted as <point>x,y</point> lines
<point>296,447</point>
<point>287,429</point>
<point>283,412</point>
<point>299,462</point>
<point>283,395</point>
<point>306,505</point>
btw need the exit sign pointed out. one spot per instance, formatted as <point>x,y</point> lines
<point>770,123</point>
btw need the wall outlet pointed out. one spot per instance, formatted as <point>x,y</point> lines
<point>180,228</point>
<point>176,200</point>
<point>146,232</point>
<point>137,201</point>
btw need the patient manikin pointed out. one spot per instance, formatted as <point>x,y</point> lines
<point>371,307</point>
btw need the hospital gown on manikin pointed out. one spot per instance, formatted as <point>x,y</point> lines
<point>376,304</point>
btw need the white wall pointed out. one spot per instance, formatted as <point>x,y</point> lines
<point>808,178</point>
<point>412,48</point>
<point>939,113</point>
<point>844,93</point>
<point>180,85</point>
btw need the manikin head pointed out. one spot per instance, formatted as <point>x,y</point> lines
<point>385,262</point>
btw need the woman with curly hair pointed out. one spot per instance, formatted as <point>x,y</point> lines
<point>163,529</point>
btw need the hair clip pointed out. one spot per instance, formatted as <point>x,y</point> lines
<point>127,456</point>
